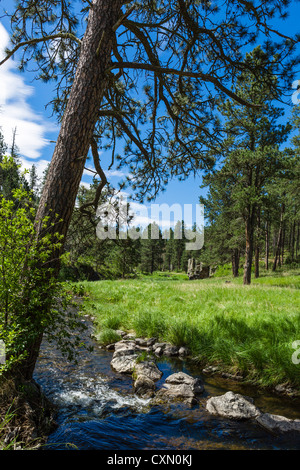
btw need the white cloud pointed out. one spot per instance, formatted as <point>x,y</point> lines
<point>40,165</point>
<point>16,112</point>
<point>108,173</point>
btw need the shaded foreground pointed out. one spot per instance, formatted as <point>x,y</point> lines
<point>97,409</point>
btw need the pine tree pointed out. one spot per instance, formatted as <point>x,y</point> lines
<point>251,149</point>
<point>151,248</point>
<point>203,45</point>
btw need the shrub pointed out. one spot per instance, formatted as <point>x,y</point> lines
<point>108,336</point>
<point>32,301</point>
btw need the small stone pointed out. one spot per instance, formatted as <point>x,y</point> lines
<point>183,351</point>
<point>170,351</point>
<point>158,351</point>
<point>151,341</point>
<point>120,332</point>
<point>110,347</point>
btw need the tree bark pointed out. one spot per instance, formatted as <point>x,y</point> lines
<point>267,245</point>
<point>257,246</point>
<point>292,242</point>
<point>78,123</point>
<point>282,244</point>
<point>249,233</point>
<point>235,257</point>
<point>297,241</point>
<point>279,239</point>
<point>256,261</point>
<point>91,80</point>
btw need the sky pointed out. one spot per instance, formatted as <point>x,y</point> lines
<point>22,107</point>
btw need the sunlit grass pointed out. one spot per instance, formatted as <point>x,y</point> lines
<point>245,329</point>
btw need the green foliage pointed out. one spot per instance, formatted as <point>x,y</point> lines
<point>149,323</point>
<point>151,248</point>
<point>113,322</point>
<point>108,336</point>
<point>251,166</point>
<point>179,333</point>
<point>32,301</point>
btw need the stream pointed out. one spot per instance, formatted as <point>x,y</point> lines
<point>97,409</point>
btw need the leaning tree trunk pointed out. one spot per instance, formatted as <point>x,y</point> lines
<point>81,114</point>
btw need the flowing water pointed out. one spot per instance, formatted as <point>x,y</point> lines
<point>97,410</point>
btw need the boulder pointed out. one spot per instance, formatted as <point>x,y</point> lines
<point>170,351</point>
<point>144,387</point>
<point>148,369</point>
<point>124,363</point>
<point>183,351</point>
<point>183,387</point>
<point>159,345</point>
<point>158,351</point>
<point>233,406</point>
<point>141,342</point>
<point>129,336</point>
<point>166,349</point>
<point>278,424</point>
<point>125,345</point>
<point>210,370</point>
<point>125,356</point>
<point>151,341</point>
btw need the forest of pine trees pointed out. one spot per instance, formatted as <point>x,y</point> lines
<point>273,192</point>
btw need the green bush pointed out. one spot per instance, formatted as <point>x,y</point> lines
<point>108,336</point>
<point>32,301</point>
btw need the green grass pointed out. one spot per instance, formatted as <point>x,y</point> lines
<point>245,329</point>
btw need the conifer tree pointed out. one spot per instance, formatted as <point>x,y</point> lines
<point>251,149</point>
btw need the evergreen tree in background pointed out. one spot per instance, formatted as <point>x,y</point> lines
<point>151,248</point>
<point>251,149</point>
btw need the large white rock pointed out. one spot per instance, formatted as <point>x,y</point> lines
<point>124,363</point>
<point>233,406</point>
<point>149,369</point>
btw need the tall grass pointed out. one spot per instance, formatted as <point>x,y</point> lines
<point>245,329</point>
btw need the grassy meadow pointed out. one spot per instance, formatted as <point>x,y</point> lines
<point>244,329</point>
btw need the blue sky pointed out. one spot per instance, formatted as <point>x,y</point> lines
<point>22,106</point>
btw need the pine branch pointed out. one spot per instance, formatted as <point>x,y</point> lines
<point>182,73</point>
<point>38,40</point>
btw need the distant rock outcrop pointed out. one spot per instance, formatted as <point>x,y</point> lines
<point>198,270</point>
